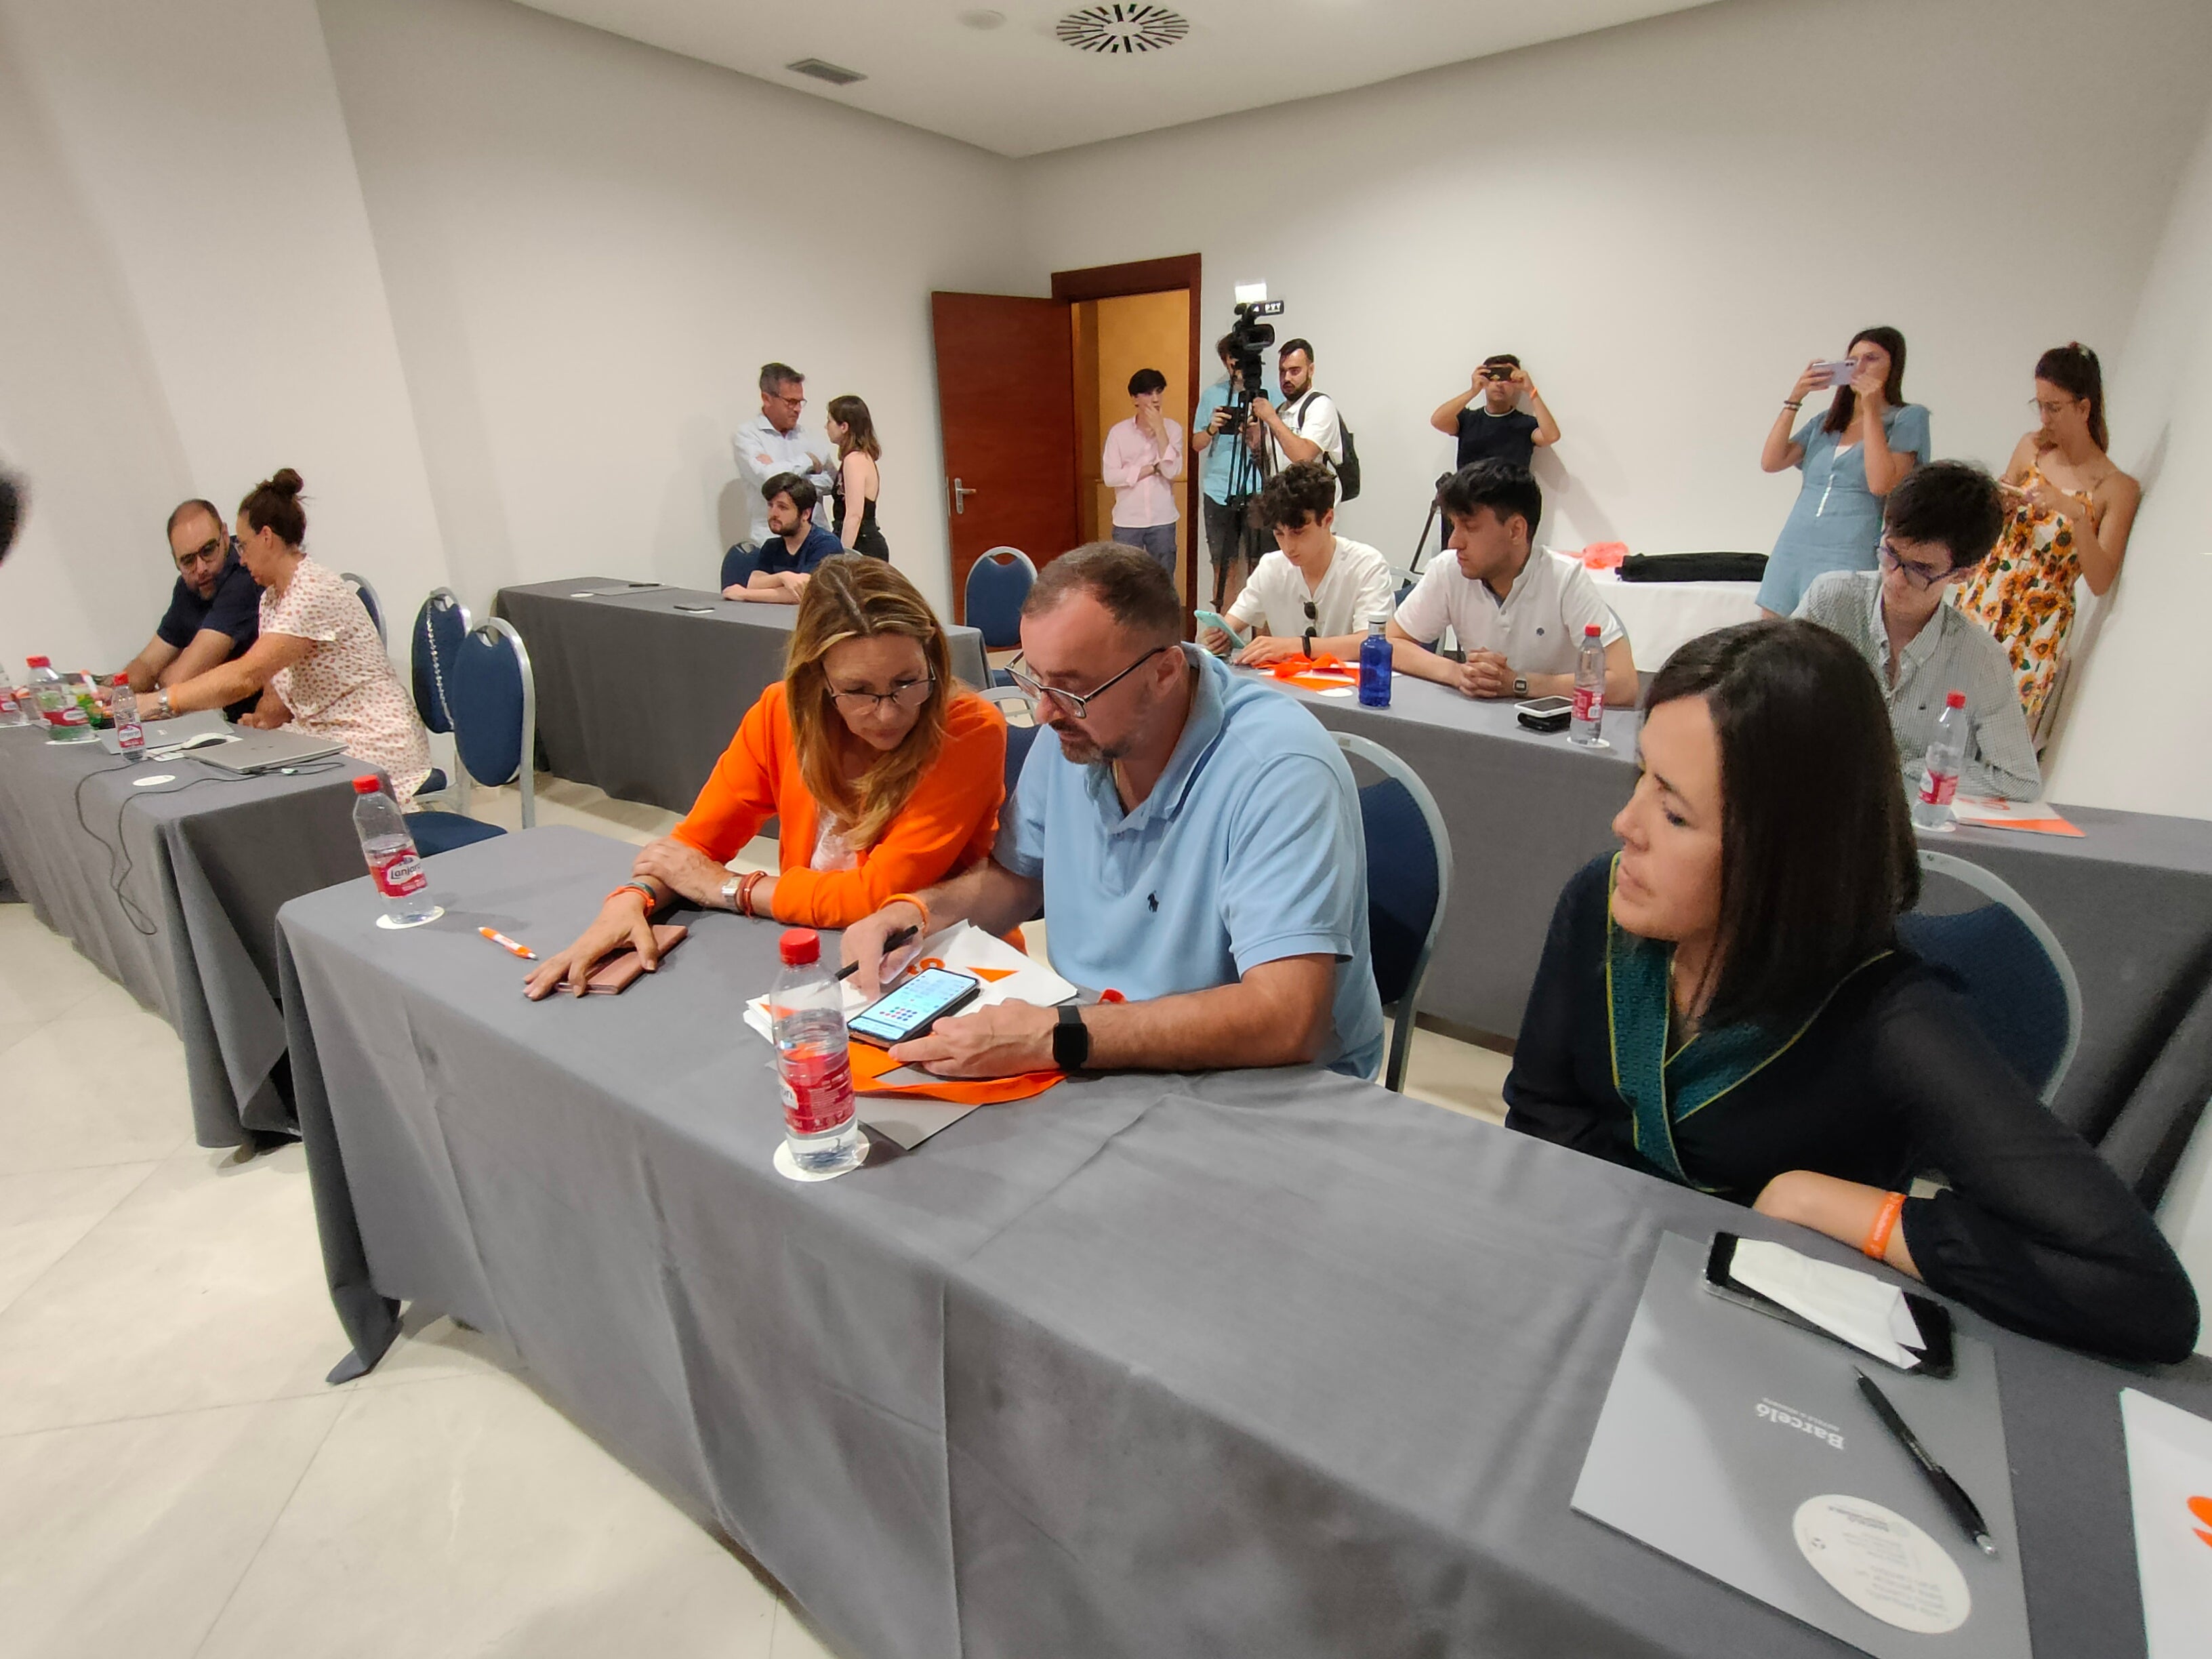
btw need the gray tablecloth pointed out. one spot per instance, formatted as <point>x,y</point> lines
<point>1262,1363</point>
<point>171,891</point>
<point>640,698</point>
<point>2131,902</point>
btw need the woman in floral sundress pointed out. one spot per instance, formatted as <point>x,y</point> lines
<point>2071,512</point>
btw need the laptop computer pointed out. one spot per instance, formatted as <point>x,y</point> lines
<point>266,751</point>
<point>178,728</point>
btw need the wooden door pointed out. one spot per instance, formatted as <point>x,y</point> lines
<point>1005,402</point>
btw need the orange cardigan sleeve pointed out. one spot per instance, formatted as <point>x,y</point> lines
<point>947,824</point>
<point>739,794</point>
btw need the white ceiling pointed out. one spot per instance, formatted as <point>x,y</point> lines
<point>1017,89</point>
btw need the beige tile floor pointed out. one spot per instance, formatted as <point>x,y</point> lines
<point>176,1478</point>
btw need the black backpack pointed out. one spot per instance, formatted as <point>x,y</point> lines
<point>1347,472</point>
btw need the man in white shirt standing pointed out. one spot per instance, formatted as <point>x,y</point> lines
<point>1142,458</point>
<point>1518,612</point>
<point>1317,594</point>
<point>771,444</point>
<point>1306,428</point>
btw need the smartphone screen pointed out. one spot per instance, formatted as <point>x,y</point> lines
<point>911,1009</point>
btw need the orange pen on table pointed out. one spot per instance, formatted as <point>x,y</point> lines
<point>507,944</point>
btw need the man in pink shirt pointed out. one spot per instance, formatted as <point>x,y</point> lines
<point>1143,457</point>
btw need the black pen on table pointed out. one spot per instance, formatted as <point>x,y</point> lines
<point>1952,1494</point>
<point>891,942</point>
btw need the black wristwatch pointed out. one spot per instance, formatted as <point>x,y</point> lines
<point>1309,640</point>
<point>1071,1039</point>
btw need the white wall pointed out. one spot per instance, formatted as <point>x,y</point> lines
<point>222,235</point>
<point>1667,219</point>
<point>2133,734</point>
<point>591,246</point>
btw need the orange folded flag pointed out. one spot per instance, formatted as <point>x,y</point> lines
<point>871,1063</point>
<point>1307,671</point>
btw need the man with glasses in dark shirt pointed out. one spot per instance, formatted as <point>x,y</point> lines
<point>215,612</point>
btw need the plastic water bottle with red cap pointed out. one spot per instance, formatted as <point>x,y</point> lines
<point>813,1062</point>
<point>1939,776</point>
<point>1588,728</point>
<point>394,864</point>
<point>66,718</point>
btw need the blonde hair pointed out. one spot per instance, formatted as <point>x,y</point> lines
<point>854,597</point>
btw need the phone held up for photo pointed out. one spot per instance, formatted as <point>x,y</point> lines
<point>909,1010</point>
<point>1840,373</point>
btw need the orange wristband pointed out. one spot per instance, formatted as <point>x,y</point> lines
<point>909,898</point>
<point>745,890</point>
<point>652,900</point>
<point>1885,1224</point>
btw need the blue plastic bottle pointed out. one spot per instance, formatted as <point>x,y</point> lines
<point>1375,665</point>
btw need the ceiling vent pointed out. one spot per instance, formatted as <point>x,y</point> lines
<point>835,74</point>
<point>1122,29</point>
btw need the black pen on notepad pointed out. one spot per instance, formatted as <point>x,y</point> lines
<point>1952,1494</point>
<point>891,942</point>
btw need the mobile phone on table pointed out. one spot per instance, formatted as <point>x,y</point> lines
<point>1546,713</point>
<point>1930,1317</point>
<point>697,610</point>
<point>1215,619</point>
<point>623,969</point>
<point>1836,374</point>
<point>909,1010</point>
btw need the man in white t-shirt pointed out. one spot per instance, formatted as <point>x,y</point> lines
<point>1316,593</point>
<point>1518,612</point>
<point>1305,428</point>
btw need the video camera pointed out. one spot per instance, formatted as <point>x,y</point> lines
<point>1249,340</point>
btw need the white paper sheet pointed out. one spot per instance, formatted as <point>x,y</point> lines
<point>1008,975</point>
<point>1861,1309</point>
<point>2170,1486</point>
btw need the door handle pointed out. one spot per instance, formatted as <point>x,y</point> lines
<point>960,495</point>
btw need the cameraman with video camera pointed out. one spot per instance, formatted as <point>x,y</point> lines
<point>1312,432</point>
<point>1228,478</point>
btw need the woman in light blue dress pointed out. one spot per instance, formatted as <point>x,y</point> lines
<point>1852,458</point>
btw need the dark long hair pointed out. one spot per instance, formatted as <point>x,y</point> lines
<point>1845,403</point>
<point>1817,854</point>
<point>2075,370</point>
<point>851,413</point>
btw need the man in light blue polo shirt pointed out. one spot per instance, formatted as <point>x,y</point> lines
<point>1193,840</point>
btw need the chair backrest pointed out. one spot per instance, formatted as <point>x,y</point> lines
<point>495,702</point>
<point>2017,979</point>
<point>1012,701</point>
<point>441,625</point>
<point>998,583</point>
<point>369,600</point>
<point>1409,875</point>
<point>738,564</point>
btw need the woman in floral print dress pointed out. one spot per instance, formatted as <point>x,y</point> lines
<point>2071,512</point>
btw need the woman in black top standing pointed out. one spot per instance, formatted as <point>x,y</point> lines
<point>1724,1003</point>
<point>852,429</point>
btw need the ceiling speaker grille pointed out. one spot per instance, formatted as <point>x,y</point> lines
<point>835,74</point>
<point>1122,29</point>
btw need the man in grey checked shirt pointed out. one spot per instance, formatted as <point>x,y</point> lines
<point>1937,525</point>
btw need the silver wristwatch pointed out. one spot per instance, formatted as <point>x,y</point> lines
<point>730,891</point>
<point>1520,685</point>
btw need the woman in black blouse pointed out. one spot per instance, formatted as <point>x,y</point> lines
<point>1724,1003</point>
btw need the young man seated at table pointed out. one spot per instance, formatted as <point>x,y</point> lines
<point>1937,527</point>
<point>882,773</point>
<point>1315,593</point>
<point>795,547</point>
<point>214,610</point>
<point>1518,612</point>
<point>1724,1004</point>
<point>1193,839</point>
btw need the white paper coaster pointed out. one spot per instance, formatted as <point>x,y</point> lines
<point>149,782</point>
<point>436,910</point>
<point>1882,1564</point>
<point>789,1169</point>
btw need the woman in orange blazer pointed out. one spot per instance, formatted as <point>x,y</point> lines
<point>884,776</point>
